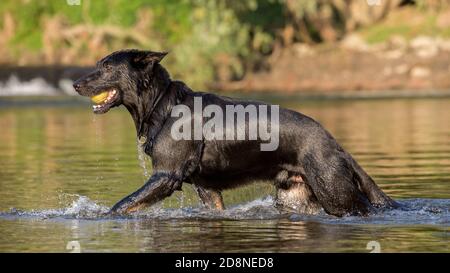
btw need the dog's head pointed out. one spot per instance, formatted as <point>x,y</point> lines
<point>117,78</point>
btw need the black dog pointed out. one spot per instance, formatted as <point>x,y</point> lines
<point>309,168</point>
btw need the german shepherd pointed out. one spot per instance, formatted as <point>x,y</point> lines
<point>310,170</point>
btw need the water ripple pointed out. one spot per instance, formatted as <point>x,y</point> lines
<point>412,212</point>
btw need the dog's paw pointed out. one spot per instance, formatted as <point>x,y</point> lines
<point>125,207</point>
<point>121,207</point>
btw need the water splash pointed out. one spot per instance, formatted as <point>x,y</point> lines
<point>143,158</point>
<point>98,143</point>
<point>258,209</point>
<point>412,212</point>
<point>82,207</point>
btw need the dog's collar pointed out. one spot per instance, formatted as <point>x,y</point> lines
<point>147,132</point>
<point>143,128</point>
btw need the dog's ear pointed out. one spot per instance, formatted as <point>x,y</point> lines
<point>148,58</point>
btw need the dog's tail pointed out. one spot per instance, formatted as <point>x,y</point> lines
<point>342,186</point>
<point>366,184</point>
<point>332,182</point>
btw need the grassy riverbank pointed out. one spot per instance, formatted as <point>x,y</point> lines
<point>232,44</point>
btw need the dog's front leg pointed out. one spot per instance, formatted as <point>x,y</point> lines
<point>159,186</point>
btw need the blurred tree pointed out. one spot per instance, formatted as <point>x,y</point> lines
<point>213,39</point>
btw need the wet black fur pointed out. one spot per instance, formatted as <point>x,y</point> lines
<point>339,184</point>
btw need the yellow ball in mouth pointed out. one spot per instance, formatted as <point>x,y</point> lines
<point>99,98</point>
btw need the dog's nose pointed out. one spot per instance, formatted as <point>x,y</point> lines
<point>76,86</point>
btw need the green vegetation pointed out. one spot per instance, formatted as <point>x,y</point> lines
<point>425,23</point>
<point>215,40</point>
<point>207,36</point>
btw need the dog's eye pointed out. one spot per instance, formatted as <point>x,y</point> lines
<point>107,66</point>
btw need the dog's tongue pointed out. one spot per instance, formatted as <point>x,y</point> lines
<point>99,98</point>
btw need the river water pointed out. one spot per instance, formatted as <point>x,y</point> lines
<point>61,168</point>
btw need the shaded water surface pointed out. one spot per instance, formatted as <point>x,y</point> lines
<point>61,168</point>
